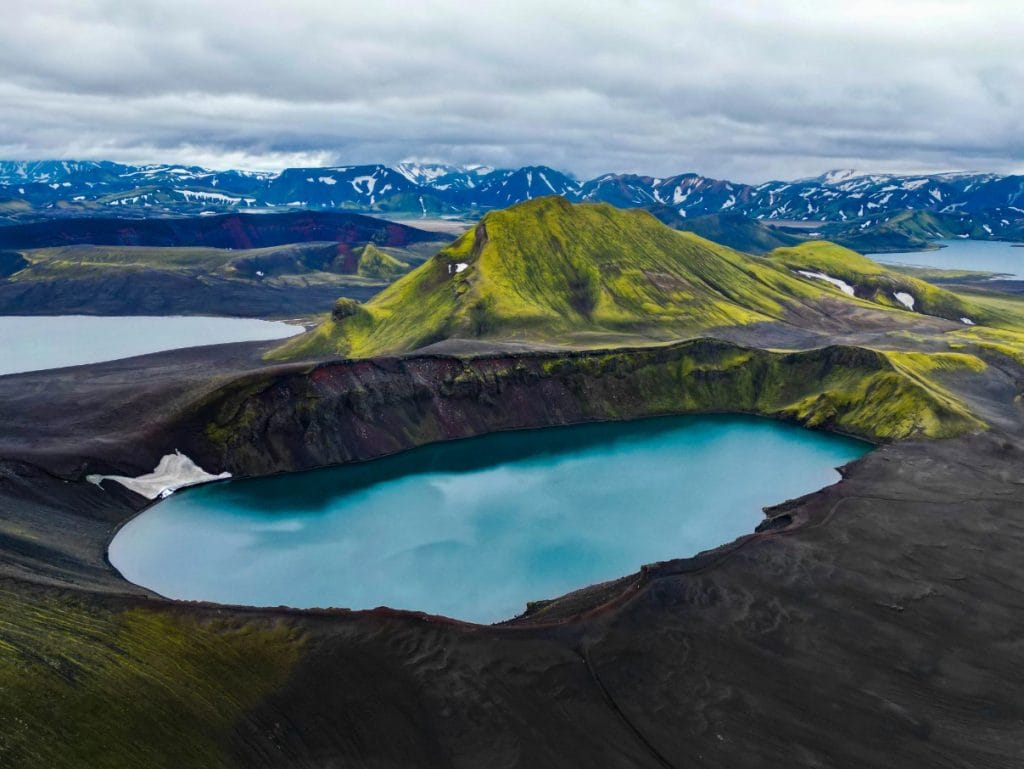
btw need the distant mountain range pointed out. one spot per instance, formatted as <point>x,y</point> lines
<point>979,205</point>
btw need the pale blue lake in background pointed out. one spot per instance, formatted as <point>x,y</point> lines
<point>43,342</point>
<point>474,529</point>
<point>964,254</point>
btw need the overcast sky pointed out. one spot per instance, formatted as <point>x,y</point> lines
<point>740,90</point>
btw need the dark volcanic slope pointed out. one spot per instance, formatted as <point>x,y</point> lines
<point>296,272</point>
<point>874,624</point>
<point>156,292</point>
<point>222,231</point>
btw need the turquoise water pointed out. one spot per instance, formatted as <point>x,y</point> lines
<point>965,254</point>
<point>55,341</point>
<point>474,529</point>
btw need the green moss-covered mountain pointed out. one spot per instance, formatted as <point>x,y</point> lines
<point>548,271</point>
<point>375,263</point>
<point>904,231</point>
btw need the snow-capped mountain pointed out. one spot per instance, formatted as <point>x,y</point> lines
<point>503,188</point>
<point>985,203</point>
<point>423,174</point>
<point>339,187</point>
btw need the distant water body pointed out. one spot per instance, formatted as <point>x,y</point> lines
<point>34,343</point>
<point>474,529</point>
<point>964,254</point>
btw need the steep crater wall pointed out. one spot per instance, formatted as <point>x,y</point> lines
<point>333,413</point>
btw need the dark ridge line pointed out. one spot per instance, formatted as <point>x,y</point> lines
<point>658,756</point>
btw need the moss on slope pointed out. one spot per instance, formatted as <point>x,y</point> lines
<point>374,263</point>
<point>877,283</point>
<point>547,270</point>
<point>905,231</point>
<point>81,687</point>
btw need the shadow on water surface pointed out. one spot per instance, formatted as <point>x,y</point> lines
<point>323,487</point>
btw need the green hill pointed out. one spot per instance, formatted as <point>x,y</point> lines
<point>550,271</point>
<point>876,283</point>
<point>906,231</point>
<point>374,263</point>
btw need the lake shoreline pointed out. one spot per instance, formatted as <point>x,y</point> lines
<point>461,492</point>
<point>987,256</point>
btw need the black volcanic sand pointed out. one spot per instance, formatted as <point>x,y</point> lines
<point>876,623</point>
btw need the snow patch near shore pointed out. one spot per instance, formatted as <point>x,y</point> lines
<point>967,321</point>
<point>905,299</point>
<point>842,285</point>
<point>174,471</point>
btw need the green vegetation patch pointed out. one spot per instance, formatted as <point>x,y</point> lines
<point>905,231</point>
<point>320,259</point>
<point>82,686</point>
<point>877,283</point>
<point>374,263</point>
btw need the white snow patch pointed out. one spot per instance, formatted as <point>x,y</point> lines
<point>327,180</point>
<point>842,285</point>
<point>967,321</point>
<point>175,471</point>
<point>217,197</point>
<point>460,267</point>
<point>678,196</point>
<point>369,181</point>
<point>905,299</point>
<point>838,175</point>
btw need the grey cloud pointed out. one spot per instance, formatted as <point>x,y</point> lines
<point>744,91</point>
